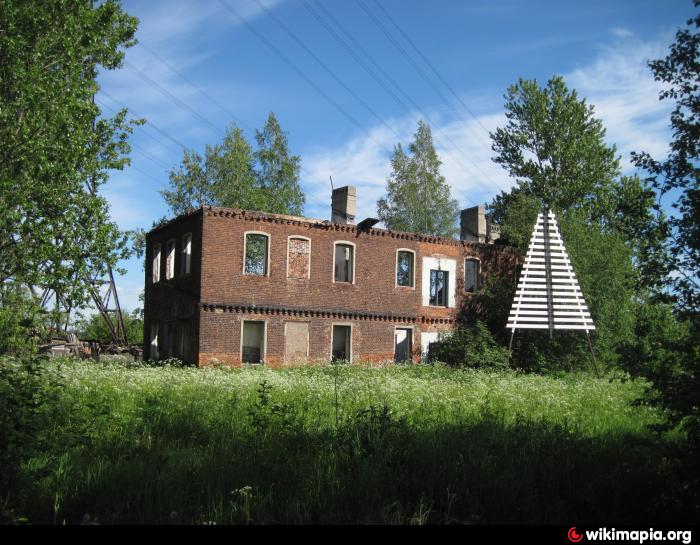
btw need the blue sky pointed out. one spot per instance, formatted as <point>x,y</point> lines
<point>200,66</point>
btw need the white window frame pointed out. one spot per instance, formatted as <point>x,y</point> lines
<point>170,250</point>
<point>396,269</point>
<point>245,245</point>
<point>447,292</point>
<point>186,254</point>
<point>354,261</point>
<point>308,271</point>
<point>263,356</point>
<point>344,324</point>
<point>155,263</point>
<point>478,274</point>
<point>440,263</point>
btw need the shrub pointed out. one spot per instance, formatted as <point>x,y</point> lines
<point>470,346</point>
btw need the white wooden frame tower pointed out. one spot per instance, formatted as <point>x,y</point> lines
<point>548,295</point>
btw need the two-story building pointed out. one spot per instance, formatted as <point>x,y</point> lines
<point>242,287</point>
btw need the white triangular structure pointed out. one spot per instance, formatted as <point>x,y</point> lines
<point>548,295</point>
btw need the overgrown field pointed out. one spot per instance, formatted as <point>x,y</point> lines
<point>334,444</point>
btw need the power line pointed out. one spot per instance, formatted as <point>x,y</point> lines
<point>323,65</point>
<point>410,60</point>
<point>400,90</point>
<point>172,97</point>
<point>430,64</point>
<point>148,122</point>
<point>349,49</point>
<point>300,72</point>
<point>373,74</point>
<point>181,145</point>
<point>196,87</point>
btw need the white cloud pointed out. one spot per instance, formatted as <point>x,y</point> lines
<point>618,84</point>
<point>621,32</point>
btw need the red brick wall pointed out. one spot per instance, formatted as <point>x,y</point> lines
<point>372,341</point>
<point>217,295</point>
<point>175,300</point>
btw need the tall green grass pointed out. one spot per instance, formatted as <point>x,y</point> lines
<point>344,444</point>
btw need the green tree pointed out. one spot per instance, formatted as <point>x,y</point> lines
<point>190,185</point>
<point>231,174</point>
<point>278,172</point>
<point>677,177</point>
<point>56,150</point>
<point>554,147</point>
<point>95,328</point>
<point>665,348</point>
<point>418,197</point>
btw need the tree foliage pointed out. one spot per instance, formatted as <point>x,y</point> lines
<point>554,147</point>
<point>231,174</point>
<point>677,177</point>
<point>278,171</point>
<point>418,197</point>
<point>95,328</point>
<point>55,149</point>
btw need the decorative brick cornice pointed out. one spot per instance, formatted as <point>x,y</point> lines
<point>336,314</point>
<point>280,219</point>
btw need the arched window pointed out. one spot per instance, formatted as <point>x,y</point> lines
<point>257,253</point>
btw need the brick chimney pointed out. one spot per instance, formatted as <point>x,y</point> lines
<point>343,205</point>
<point>473,226</point>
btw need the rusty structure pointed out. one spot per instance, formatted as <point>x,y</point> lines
<point>234,287</point>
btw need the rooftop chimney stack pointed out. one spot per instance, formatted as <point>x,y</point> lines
<point>472,224</point>
<point>343,205</point>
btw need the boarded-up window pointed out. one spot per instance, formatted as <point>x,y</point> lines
<point>253,342</point>
<point>296,341</point>
<point>471,275</point>
<point>299,257</point>
<point>343,263</point>
<point>155,276</point>
<point>256,254</point>
<point>170,260</point>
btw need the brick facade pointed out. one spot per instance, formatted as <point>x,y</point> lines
<point>199,316</point>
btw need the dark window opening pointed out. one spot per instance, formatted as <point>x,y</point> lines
<point>341,343</point>
<point>403,345</point>
<point>343,263</point>
<point>253,342</point>
<point>471,275</point>
<point>404,269</point>
<point>439,281</point>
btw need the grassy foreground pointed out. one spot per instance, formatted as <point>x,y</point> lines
<point>342,444</point>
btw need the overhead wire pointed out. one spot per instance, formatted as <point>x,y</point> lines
<point>386,75</point>
<point>385,31</point>
<point>430,65</point>
<point>173,69</point>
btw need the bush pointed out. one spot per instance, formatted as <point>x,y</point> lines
<point>23,396</point>
<point>470,346</point>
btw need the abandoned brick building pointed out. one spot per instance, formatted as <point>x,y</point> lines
<point>242,287</point>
